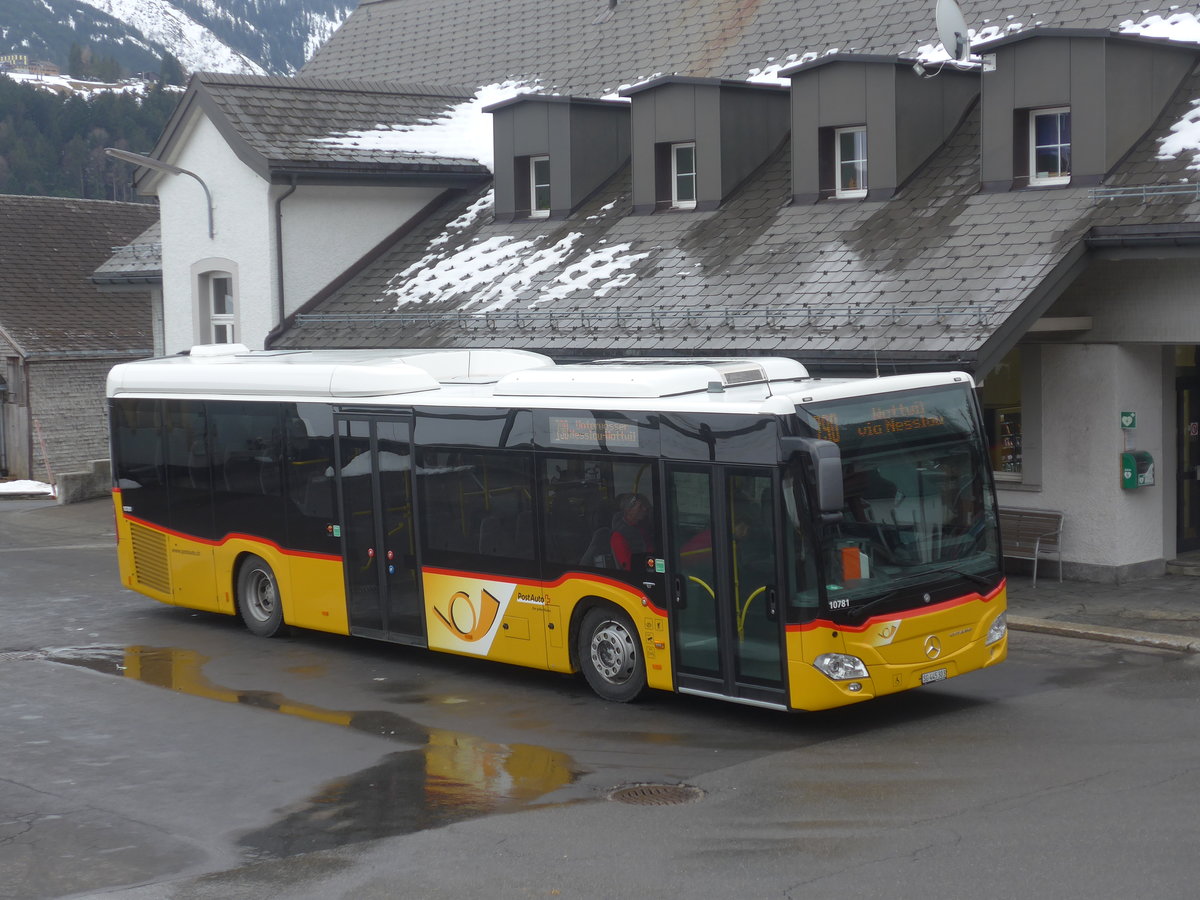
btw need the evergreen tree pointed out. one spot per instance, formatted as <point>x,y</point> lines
<point>75,61</point>
<point>171,71</point>
<point>54,145</point>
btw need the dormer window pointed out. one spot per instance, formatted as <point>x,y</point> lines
<point>587,139</point>
<point>539,187</point>
<point>683,175</point>
<point>850,164</point>
<point>1050,146</point>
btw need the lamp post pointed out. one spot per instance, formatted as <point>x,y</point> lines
<point>150,163</point>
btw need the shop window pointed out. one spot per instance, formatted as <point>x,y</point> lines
<point>1000,397</point>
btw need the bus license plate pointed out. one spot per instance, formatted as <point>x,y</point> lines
<point>931,677</point>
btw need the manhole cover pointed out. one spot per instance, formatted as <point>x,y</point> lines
<point>655,794</point>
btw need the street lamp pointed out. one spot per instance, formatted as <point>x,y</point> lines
<point>150,163</point>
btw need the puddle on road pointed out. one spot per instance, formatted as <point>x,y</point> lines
<point>451,777</point>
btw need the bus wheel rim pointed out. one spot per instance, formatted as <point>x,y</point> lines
<point>262,595</point>
<point>613,652</point>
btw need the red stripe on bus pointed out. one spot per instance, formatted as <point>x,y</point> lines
<point>907,614</point>
<point>234,535</point>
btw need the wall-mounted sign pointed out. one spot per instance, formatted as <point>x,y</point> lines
<point>1129,420</point>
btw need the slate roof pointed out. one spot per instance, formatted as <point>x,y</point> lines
<point>583,47</point>
<point>138,262</point>
<point>941,274</point>
<point>308,125</point>
<point>49,248</point>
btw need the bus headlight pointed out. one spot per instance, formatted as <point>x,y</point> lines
<point>998,629</point>
<point>840,666</point>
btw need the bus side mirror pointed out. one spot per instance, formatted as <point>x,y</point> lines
<point>825,469</point>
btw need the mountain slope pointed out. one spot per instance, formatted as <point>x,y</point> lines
<point>196,46</point>
<point>273,36</point>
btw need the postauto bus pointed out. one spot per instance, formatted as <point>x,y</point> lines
<point>728,527</point>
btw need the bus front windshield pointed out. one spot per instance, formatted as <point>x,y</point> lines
<point>919,508</point>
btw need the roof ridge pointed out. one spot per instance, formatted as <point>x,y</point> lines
<point>41,198</point>
<point>322,83</point>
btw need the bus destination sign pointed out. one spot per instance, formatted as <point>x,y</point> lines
<point>880,421</point>
<point>579,431</point>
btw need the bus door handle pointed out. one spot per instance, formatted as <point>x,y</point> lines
<point>772,604</point>
<point>677,594</point>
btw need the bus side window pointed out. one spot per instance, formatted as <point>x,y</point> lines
<point>577,508</point>
<point>139,467</point>
<point>477,503</point>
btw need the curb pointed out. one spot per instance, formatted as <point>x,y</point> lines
<point>1152,639</point>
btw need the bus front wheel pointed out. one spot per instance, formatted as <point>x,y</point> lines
<point>610,655</point>
<point>258,597</point>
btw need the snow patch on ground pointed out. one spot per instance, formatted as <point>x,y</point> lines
<point>63,84</point>
<point>24,486</point>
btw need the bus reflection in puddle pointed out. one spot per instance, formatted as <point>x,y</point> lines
<point>451,777</point>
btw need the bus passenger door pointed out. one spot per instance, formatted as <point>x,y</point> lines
<point>374,466</point>
<point>727,631</point>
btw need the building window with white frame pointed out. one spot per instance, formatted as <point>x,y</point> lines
<point>216,289</point>
<point>683,175</point>
<point>539,186</point>
<point>1050,146</point>
<point>850,162</point>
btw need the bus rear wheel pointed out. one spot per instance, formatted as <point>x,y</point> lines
<point>258,598</point>
<point>610,655</point>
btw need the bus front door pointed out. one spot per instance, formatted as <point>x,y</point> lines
<point>374,464</point>
<point>727,631</point>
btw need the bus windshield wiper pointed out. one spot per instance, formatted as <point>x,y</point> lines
<point>861,612</point>
<point>970,576</point>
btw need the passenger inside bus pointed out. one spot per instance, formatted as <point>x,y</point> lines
<point>631,532</point>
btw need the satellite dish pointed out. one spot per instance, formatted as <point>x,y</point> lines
<point>952,30</point>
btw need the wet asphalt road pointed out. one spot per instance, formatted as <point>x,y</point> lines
<point>151,752</point>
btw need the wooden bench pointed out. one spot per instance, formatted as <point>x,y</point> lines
<point>1030,534</point>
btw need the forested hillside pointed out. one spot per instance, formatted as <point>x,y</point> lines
<point>53,145</point>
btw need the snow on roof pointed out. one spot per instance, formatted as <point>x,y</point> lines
<point>464,132</point>
<point>1177,26</point>
<point>495,270</point>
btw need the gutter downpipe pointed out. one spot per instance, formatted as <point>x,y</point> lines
<point>279,246</point>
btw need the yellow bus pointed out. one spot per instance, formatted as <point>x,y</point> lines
<point>727,527</point>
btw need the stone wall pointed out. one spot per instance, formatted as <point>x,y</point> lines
<point>66,401</point>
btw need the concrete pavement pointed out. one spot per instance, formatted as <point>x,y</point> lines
<point>1161,612</point>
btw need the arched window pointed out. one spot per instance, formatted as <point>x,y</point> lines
<point>217,305</point>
